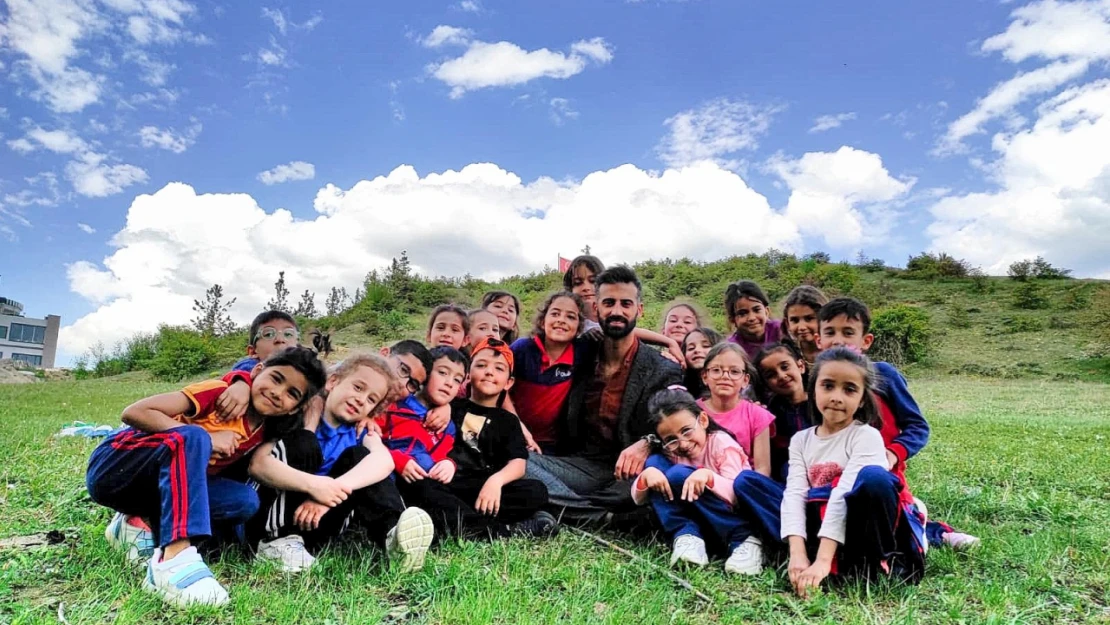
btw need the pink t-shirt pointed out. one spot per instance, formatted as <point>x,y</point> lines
<point>722,456</point>
<point>746,421</point>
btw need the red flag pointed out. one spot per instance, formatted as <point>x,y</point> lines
<point>564,265</point>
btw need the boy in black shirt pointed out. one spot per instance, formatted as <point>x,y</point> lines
<point>487,495</point>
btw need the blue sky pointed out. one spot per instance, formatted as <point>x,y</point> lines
<point>644,129</point>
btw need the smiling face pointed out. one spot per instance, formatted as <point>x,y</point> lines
<point>838,393</point>
<point>840,331</point>
<point>490,374</point>
<point>726,375</point>
<point>697,346</point>
<point>277,391</point>
<point>504,308</point>
<point>618,308</point>
<point>560,324</point>
<point>444,381</point>
<point>750,318</point>
<point>679,321</point>
<point>356,395</point>
<point>683,433</point>
<point>411,374</point>
<point>447,329</point>
<point>274,336</point>
<point>801,323</point>
<point>483,324</point>
<point>582,285</point>
<point>783,375</point>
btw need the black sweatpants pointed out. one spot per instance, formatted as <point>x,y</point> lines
<point>374,509</point>
<point>451,506</point>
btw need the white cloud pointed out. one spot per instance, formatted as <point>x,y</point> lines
<point>42,190</point>
<point>155,72</point>
<point>447,36</point>
<point>505,64</point>
<point>296,170</point>
<point>277,16</point>
<point>170,139</point>
<point>840,196</point>
<point>86,228</point>
<point>561,111</point>
<point>167,254</point>
<point>716,129</point>
<point>828,122</point>
<point>470,6</point>
<point>95,175</point>
<point>58,141</point>
<point>273,56</point>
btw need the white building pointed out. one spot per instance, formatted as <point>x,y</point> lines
<point>33,341</point>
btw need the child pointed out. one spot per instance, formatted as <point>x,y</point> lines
<point>166,466</point>
<point>841,511</point>
<point>799,319</point>
<point>483,324</point>
<point>726,373</point>
<point>411,361</point>
<point>695,346</point>
<point>543,367</point>
<point>448,325</point>
<point>782,371</point>
<point>312,484</point>
<point>579,279</point>
<point>679,319</point>
<point>506,307</point>
<point>481,492</point>
<point>690,486</point>
<point>846,321</point>
<point>747,310</point>
<point>271,331</point>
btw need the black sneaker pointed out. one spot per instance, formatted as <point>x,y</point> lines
<point>541,525</point>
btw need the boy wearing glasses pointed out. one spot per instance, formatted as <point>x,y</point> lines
<point>270,332</point>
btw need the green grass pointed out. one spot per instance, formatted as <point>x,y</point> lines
<point>1022,463</point>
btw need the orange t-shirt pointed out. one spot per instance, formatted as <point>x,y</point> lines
<point>203,396</point>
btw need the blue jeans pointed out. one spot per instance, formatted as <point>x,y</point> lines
<point>710,517</point>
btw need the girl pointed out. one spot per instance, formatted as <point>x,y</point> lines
<point>695,346</point>
<point>689,478</point>
<point>679,319</point>
<point>782,371</point>
<point>841,512</point>
<point>579,279</point>
<point>506,307</point>
<point>297,473</point>
<point>726,373</point>
<point>747,310</point>
<point>483,324</point>
<point>166,467</point>
<point>543,367</point>
<point>448,326</point>
<point>799,319</point>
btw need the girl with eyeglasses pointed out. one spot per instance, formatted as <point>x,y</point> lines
<point>689,482</point>
<point>726,374</point>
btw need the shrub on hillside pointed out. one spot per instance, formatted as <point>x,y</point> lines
<point>980,282</point>
<point>1038,268</point>
<point>1020,324</point>
<point>181,352</point>
<point>1077,297</point>
<point>902,335</point>
<point>927,266</point>
<point>1030,296</point>
<point>957,316</point>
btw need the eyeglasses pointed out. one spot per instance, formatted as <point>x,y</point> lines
<point>732,373</point>
<point>685,434</point>
<point>405,373</point>
<point>269,333</point>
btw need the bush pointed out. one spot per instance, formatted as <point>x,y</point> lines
<point>1056,322</point>
<point>980,282</point>
<point>902,335</point>
<point>957,316</point>
<point>182,352</point>
<point>1017,325</point>
<point>1020,270</point>
<point>1030,296</point>
<point>1038,268</point>
<point>1077,297</point>
<point>926,266</point>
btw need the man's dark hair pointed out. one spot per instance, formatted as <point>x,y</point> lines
<point>850,307</point>
<point>415,348</point>
<point>451,354</point>
<point>266,317</point>
<point>618,274</point>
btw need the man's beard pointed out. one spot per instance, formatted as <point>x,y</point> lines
<point>617,332</point>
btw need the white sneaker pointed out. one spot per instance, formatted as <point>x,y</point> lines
<point>130,534</point>
<point>288,551</point>
<point>689,548</point>
<point>409,540</point>
<point>183,580</point>
<point>747,559</point>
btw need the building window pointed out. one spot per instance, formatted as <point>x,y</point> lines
<point>31,359</point>
<point>23,333</point>
<point>3,332</point>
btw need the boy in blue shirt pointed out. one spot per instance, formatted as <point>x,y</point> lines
<point>271,331</point>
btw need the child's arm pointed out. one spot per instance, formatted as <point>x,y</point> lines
<point>914,428</point>
<point>371,469</point>
<point>674,349</point>
<point>274,473</point>
<point>864,449</point>
<point>761,452</point>
<point>489,498</point>
<point>155,413</point>
<point>793,508</point>
<point>232,403</point>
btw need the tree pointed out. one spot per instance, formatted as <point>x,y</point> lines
<point>307,306</point>
<point>821,258</point>
<point>281,295</point>
<point>212,314</point>
<point>1021,270</point>
<point>399,278</point>
<point>337,298</point>
<point>586,250</point>
<point>861,259</point>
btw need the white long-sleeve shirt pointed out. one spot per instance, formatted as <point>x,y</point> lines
<point>816,461</point>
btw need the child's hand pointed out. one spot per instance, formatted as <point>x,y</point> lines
<point>224,443</point>
<point>328,491</point>
<point>308,515</point>
<point>674,353</point>
<point>694,485</point>
<point>489,498</point>
<point>368,425</point>
<point>653,479</point>
<point>232,403</point>
<point>437,419</point>
<point>891,460</point>
<point>530,442</point>
<point>798,562</point>
<point>810,579</point>
<point>442,471</point>
<point>413,472</point>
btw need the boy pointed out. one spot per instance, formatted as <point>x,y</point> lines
<point>479,490</point>
<point>846,321</point>
<point>411,361</point>
<point>313,483</point>
<point>270,332</point>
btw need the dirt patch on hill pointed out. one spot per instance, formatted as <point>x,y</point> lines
<point>10,373</point>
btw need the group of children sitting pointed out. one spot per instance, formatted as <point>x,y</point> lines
<point>784,432</point>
